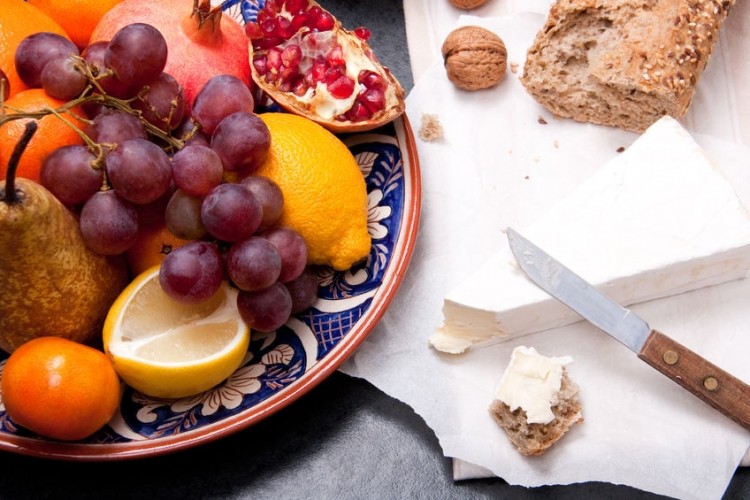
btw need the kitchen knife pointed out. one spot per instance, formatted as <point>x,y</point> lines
<point>710,383</point>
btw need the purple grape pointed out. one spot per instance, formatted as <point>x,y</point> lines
<point>304,290</point>
<point>35,51</point>
<point>292,250</point>
<point>253,264</point>
<point>183,216</point>
<point>113,126</point>
<point>94,57</point>
<point>139,170</point>
<point>192,273</point>
<point>221,96</point>
<point>269,195</point>
<point>242,140</point>
<point>137,54</point>
<point>265,310</point>
<point>109,224</point>
<point>162,103</point>
<point>62,80</point>
<point>197,169</point>
<point>231,213</point>
<point>69,173</point>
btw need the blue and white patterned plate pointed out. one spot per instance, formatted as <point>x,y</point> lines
<point>281,366</point>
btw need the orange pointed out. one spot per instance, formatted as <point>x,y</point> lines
<point>51,134</point>
<point>60,389</point>
<point>325,196</point>
<point>18,20</point>
<point>77,17</point>
<point>154,242</point>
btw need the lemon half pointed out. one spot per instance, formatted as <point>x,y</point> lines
<point>167,349</point>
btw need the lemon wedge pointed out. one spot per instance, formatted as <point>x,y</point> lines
<point>167,349</point>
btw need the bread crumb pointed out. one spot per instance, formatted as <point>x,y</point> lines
<point>430,128</point>
<point>514,68</point>
<point>621,149</point>
<point>541,120</point>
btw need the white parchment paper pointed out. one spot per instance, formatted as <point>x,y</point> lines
<point>496,166</point>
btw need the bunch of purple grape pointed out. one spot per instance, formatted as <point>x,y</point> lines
<point>150,155</point>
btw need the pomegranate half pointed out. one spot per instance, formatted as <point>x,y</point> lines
<point>303,58</point>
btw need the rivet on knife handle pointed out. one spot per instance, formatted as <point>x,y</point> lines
<point>710,383</point>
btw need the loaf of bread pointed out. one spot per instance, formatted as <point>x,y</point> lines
<point>623,63</point>
<point>536,438</point>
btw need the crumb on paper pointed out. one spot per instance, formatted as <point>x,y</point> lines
<point>556,144</point>
<point>621,149</point>
<point>541,120</point>
<point>430,128</point>
<point>514,68</point>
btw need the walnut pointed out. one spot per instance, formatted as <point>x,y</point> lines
<point>468,4</point>
<point>474,58</point>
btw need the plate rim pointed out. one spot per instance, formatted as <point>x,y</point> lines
<point>386,291</point>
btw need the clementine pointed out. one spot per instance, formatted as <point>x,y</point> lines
<point>59,389</point>
<point>154,242</point>
<point>18,20</point>
<point>77,17</point>
<point>51,134</point>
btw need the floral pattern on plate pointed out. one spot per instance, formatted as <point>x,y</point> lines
<point>279,359</point>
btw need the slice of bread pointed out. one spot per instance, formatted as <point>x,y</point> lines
<point>623,63</point>
<point>535,439</point>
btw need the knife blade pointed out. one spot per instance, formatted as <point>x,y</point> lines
<point>723,391</point>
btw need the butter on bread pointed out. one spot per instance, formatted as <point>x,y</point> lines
<point>536,402</point>
<point>623,63</point>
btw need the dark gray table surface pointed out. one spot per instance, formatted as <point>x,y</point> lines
<point>345,439</point>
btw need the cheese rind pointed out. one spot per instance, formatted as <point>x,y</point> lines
<point>655,221</point>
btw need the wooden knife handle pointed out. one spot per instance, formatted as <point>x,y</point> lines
<point>724,392</point>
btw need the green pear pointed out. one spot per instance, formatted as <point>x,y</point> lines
<point>50,282</point>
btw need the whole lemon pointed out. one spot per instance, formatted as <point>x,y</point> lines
<point>325,196</point>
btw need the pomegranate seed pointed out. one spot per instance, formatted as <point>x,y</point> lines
<point>252,31</point>
<point>261,64</point>
<point>298,21</point>
<point>268,26</point>
<point>295,6</point>
<point>324,22</point>
<point>372,99</point>
<point>318,71</point>
<point>336,57</point>
<point>282,27</point>
<point>266,43</point>
<point>274,59</point>
<point>341,88</point>
<point>358,112</point>
<point>300,88</point>
<point>333,73</point>
<point>372,80</point>
<point>291,55</point>
<point>362,33</point>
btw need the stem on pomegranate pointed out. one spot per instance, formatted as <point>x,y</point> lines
<point>11,195</point>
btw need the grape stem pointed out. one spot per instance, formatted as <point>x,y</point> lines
<point>10,195</point>
<point>89,96</point>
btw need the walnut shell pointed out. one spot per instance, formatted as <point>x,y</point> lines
<point>475,58</point>
<point>467,4</point>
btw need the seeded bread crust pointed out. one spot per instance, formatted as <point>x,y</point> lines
<point>623,63</point>
<point>535,439</point>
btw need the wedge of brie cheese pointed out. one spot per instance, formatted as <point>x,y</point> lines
<point>657,220</point>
